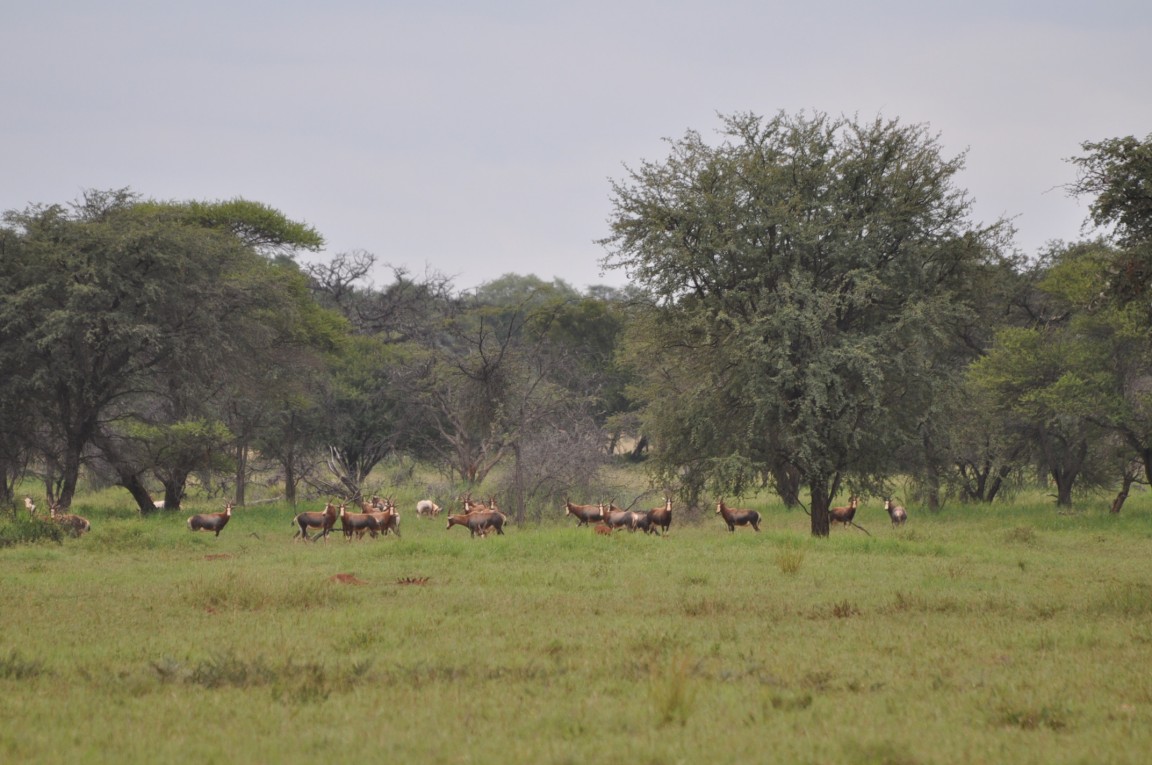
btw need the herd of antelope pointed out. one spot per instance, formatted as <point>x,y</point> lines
<point>379,517</point>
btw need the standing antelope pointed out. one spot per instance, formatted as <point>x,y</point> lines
<point>583,513</point>
<point>896,512</point>
<point>734,517</point>
<point>324,521</point>
<point>211,521</point>
<point>844,515</point>
<point>615,518</point>
<point>30,506</point>
<point>661,517</point>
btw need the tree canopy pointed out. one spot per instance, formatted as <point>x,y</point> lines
<point>806,275</point>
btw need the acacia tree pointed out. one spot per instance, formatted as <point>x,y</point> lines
<point>806,278</point>
<point>117,304</point>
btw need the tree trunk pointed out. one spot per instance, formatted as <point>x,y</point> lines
<point>136,488</point>
<point>241,472</point>
<point>788,482</point>
<point>821,501</point>
<point>290,483</point>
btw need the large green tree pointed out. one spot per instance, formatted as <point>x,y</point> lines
<point>121,310</point>
<point>807,275</point>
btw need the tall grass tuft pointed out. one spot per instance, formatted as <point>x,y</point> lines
<point>789,561</point>
<point>672,691</point>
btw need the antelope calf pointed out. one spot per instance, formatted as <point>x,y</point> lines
<point>211,521</point>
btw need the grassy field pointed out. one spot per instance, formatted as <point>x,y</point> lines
<point>1006,635</point>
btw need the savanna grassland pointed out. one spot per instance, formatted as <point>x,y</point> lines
<point>1012,634</point>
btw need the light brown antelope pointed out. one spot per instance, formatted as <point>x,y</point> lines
<point>74,525</point>
<point>583,513</point>
<point>426,508</point>
<point>844,515</point>
<point>896,512</point>
<point>30,506</point>
<point>735,517</point>
<point>211,521</point>
<point>602,529</point>
<point>324,521</point>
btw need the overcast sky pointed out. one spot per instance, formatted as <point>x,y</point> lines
<point>476,139</point>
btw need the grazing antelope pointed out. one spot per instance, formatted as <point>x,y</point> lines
<point>896,512</point>
<point>844,515</point>
<point>324,521</point>
<point>74,525</point>
<point>426,508</point>
<point>583,513</point>
<point>211,521</point>
<point>734,517</point>
<point>661,517</point>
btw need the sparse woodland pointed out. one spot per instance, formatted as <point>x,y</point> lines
<point>811,311</point>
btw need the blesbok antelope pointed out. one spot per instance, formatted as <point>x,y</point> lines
<point>896,512</point>
<point>736,517</point>
<point>661,517</point>
<point>478,523</point>
<point>324,521</point>
<point>387,516</point>
<point>74,525</point>
<point>211,521</point>
<point>426,508</point>
<point>357,523</point>
<point>583,513</point>
<point>844,515</point>
<point>615,518</point>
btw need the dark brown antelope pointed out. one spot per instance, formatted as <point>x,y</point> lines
<point>357,523</point>
<point>387,516</point>
<point>734,517</point>
<point>896,512</point>
<point>478,523</point>
<point>324,521</point>
<point>844,515</point>
<point>211,521</point>
<point>584,514</point>
<point>661,517</point>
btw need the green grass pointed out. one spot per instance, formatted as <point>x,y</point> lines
<point>1007,634</point>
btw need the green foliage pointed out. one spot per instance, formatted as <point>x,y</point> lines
<point>24,530</point>
<point>805,277</point>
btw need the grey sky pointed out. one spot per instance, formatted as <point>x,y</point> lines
<point>477,139</point>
